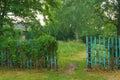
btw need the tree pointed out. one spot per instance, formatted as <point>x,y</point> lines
<point>26,10</point>
<point>118,17</point>
<point>74,19</point>
<point>112,10</point>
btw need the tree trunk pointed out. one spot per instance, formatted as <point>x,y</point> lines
<point>77,36</point>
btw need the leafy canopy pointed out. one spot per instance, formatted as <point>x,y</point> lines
<point>26,10</point>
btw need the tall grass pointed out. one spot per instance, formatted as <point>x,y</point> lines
<point>70,48</point>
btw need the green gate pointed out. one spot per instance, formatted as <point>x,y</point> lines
<point>103,52</point>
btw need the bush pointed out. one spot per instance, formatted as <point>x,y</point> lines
<point>40,52</point>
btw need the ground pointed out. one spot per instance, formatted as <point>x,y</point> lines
<point>72,66</point>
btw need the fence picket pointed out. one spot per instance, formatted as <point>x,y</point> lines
<point>116,52</point>
<point>95,50</point>
<point>103,51</point>
<point>108,53</point>
<point>91,49</point>
<point>87,50</point>
<point>99,56</point>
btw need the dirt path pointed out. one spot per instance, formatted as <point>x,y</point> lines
<point>70,67</point>
<point>111,75</point>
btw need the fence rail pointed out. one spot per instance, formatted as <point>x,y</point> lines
<point>103,52</point>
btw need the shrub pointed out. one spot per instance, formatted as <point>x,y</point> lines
<point>39,52</point>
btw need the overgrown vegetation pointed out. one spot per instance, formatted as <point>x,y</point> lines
<point>65,58</point>
<point>38,51</point>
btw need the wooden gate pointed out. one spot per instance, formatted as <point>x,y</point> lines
<point>103,52</point>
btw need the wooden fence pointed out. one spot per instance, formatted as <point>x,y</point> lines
<point>17,58</point>
<point>103,52</point>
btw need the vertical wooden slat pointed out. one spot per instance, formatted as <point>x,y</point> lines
<point>2,57</point>
<point>91,49</point>
<point>119,46</point>
<point>104,42</point>
<point>112,55</point>
<point>95,50</point>
<point>89,53</point>
<point>30,63</point>
<point>51,60</point>
<point>119,53</point>
<point>99,52</point>
<point>27,63</point>
<point>47,59</point>
<point>55,62</point>
<point>108,53</point>
<point>10,63</point>
<point>5,64</point>
<point>116,52</point>
<point>87,50</point>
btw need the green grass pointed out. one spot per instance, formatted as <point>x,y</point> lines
<point>68,52</point>
<point>70,48</point>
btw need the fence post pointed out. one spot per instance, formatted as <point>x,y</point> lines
<point>89,45</point>
<point>112,54</point>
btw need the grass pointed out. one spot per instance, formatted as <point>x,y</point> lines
<point>70,48</point>
<point>69,52</point>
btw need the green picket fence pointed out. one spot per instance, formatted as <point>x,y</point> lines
<point>103,52</point>
<point>27,57</point>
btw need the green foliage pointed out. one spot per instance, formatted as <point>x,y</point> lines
<point>19,51</point>
<point>26,10</point>
<point>108,13</point>
<point>81,18</point>
<point>109,30</point>
<point>9,34</point>
<point>76,18</point>
<point>60,33</point>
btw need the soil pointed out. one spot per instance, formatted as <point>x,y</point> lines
<point>70,68</point>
